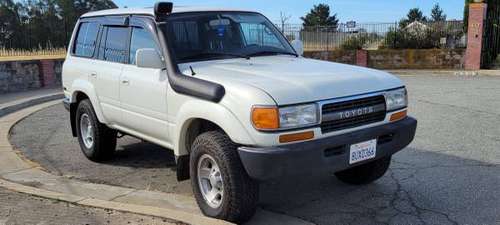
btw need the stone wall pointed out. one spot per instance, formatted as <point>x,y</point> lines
<point>397,59</point>
<point>341,56</point>
<point>18,76</point>
<point>417,59</point>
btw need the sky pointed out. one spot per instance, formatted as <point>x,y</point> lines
<point>361,11</point>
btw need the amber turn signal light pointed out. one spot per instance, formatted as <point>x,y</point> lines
<point>297,137</point>
<point>265,118</point>
<point>398,116</point>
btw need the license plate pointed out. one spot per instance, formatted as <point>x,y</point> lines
<point>363,151</point>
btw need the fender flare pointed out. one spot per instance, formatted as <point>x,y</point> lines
<point>217,114</point>
<point>87,88</point>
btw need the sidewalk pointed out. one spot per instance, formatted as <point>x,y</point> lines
<point>12,102</point>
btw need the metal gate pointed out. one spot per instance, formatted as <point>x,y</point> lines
<point>491,45</point>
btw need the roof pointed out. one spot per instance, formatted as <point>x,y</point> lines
<point>150,11</point>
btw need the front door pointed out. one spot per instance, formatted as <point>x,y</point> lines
<point>143,91</point>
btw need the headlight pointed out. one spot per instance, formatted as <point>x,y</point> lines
<point>298,116</point>
<point>272,118</point>
<point>397,99</point>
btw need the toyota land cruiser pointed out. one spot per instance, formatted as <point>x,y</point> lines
<point>235,101</point>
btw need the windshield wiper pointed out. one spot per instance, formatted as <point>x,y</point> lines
<point>262,53</point>
<point>208,54</point>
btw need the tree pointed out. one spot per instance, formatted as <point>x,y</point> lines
<point>320,16</point>
<point>31,24</point>
<point>413,15</point>
<point>284,20</point>
<point>437,14</point>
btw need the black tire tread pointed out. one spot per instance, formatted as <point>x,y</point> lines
<point>104,137</point>
<point>243,192</point>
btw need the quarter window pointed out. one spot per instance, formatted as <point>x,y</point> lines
<point>86,40</point>
<point>141,38</point>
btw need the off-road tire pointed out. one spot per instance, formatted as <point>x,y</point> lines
<point>241,193</point>
<point>104,145</point>
<point>365,174</point>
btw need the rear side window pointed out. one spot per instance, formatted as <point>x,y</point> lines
<point>114,44</point>
<point>140,39</point>
<point>86,40</point>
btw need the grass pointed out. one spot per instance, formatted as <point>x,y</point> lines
<point>35,54</point>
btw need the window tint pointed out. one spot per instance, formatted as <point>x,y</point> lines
<point>115,46</point>
<point>86,40</point>
<point>141,38</point>
<point>186,35</point>
<point>259,34</point>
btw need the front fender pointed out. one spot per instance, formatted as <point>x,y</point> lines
<point>215,113</point>
<point>87,88</point>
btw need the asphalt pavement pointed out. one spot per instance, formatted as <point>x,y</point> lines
<point>450,174</point>
<point>23,209</point>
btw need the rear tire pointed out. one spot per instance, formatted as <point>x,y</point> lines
<point>365,174</point>
<point>97,141</point>
<point>234,194</point>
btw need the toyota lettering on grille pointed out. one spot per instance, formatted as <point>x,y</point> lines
<point>353,113</point>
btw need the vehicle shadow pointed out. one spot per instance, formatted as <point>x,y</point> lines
<point>420,188</point>
<point>134,153</point>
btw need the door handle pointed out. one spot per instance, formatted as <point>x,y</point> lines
<point>93,74</point>
<point>125,82</point>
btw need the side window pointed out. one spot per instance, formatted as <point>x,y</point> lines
<point>86,40</point>
<point>114,44</point>
<point>141,38</point>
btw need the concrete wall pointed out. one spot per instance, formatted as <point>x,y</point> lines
<point>18,76</point>
<point>397,59</point>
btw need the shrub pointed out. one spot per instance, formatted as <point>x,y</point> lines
<point>359,41</point>
<point>355,43</point>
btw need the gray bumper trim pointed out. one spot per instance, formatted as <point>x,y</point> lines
<point>327,154</point>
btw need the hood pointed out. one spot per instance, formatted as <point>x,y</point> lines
<point>291,80</point>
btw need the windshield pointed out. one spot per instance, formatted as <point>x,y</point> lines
<point>218,35</point>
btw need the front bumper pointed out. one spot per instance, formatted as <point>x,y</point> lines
<point>327,154</point>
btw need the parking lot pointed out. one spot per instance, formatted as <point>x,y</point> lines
<point>450,174</point>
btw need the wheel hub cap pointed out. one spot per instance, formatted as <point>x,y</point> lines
<point>210,181</point>
<point>87,131</point>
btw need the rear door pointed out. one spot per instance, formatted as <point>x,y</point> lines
<point>112,55</point>
<point>143,91</point>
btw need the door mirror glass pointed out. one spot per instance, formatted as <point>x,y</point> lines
<point>298,46</point>
<point>149,58</point>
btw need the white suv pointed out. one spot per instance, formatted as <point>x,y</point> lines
<point>234,100</point>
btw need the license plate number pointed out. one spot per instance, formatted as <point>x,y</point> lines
<point>363,151</point>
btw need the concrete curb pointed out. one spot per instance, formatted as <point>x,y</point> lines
<point>21,176</point>
<point>30,102</point>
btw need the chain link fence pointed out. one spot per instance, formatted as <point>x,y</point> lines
<point>416,35</point>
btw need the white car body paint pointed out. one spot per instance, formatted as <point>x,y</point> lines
<point>164,115</point>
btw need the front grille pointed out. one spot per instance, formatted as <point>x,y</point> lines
<point>354,113</point>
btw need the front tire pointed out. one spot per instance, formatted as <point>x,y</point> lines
<point>221,186</point>
<point>365,174</point>
<point>97,141</point>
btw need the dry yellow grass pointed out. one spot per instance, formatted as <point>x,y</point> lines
<point>37,54</point>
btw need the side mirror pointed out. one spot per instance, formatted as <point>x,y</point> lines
<point>149,58</point>
<point>298,46</point>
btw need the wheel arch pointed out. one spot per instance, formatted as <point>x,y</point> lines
<point>82,91</point>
